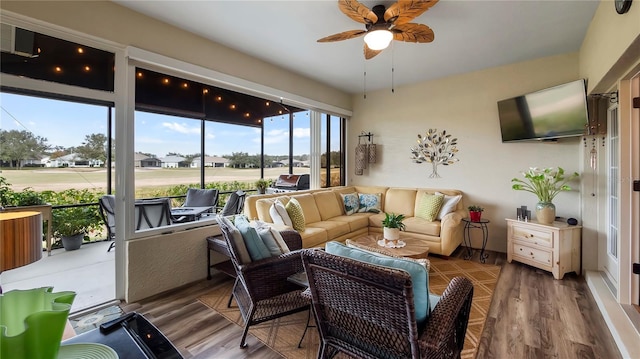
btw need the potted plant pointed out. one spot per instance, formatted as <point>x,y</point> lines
<point>73,224</point>
<point>262,185</point>
<point>475,213</point>
<point>392,225</point>
<point>545,184</point>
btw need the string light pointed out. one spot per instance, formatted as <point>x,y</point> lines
<point>165,81</point>
<point>58,69</point>
<point>87,68</point>
<point>80,50</point>
<point>139,75</point>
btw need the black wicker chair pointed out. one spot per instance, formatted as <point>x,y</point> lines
<point>367,311</point>
<point>262,290</point>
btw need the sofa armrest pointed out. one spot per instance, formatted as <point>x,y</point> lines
<point>452,231</point>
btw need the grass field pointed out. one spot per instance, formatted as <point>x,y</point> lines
<point>57,179</point>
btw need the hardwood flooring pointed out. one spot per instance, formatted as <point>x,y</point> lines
<point>532,315</point>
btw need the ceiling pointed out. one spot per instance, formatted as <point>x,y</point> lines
<point>469,36</point>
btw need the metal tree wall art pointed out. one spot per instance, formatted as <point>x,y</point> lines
<point>435,148</point>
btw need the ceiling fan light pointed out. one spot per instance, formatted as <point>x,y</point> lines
<point>378,39</point>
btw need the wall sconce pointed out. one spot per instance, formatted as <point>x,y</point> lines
<point>365,152</point>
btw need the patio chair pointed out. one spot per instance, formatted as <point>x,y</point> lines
<point>367,311</point>
<point>234,204</point>
<point>261,288</point>
<point>107,212</point>
<point>152,213</point>
<point>201,198</point>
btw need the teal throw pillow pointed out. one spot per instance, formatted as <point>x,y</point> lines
<point>273,240</point>
<point>369,202</point>
<point>419,275</point>
<point>256,247</point>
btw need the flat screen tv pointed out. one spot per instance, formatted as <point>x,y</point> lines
<point>559,111</point>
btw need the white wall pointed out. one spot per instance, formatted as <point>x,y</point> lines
<point>466,106</point>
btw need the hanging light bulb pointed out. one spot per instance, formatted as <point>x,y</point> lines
<point>378,39</point>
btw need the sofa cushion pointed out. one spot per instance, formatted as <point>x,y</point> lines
<point>279,214</point>
<point>314,237</point>
<point>263,205</point>
<point>400,200</point>
<point>370,202</point>
<point>309,208</point>
<point>449,204</point>
<point>256,247</point>
<point>356,221</point>
<point>295,213</point>
<point>273,240</point>
<point>429,206</point>
<point>328,205</point>
<point>350,203</point>
<point>418,273</point>
<point>376,220</point>
<point>422,226</point>
<point>334,229</point>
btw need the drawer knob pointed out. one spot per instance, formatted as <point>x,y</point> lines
<point>531,235</point>
<point>520,249</point>
<point>531,254</point>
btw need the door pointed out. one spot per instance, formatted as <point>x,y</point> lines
<point>613,204</point>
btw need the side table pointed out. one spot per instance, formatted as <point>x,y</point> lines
<point>218,244</point>
<point>481,224</point>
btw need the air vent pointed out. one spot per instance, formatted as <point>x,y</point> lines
<point>15,40</point>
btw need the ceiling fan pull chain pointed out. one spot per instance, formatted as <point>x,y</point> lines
<point>393,86</point>
<point>364,84</point>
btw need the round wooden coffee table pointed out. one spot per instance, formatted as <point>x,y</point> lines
<point>415,248</point>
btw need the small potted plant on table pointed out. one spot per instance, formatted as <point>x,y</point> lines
<point>392,225</point>
<point>475,213</point>
<point>262,185</point>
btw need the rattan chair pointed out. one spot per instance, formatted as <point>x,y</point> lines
<point>367,311</point>
<point>262,290</point>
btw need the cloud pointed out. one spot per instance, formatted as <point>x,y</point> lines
<point>181,128</point>
<point>302,132</point>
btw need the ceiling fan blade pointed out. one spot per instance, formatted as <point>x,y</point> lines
<point>357,12</point>
<point>346,35</point>
<point>413,33</point>
<point>368,53</point>
<point>406,10</point>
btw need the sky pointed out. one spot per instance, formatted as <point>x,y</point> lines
<point>66,124</point>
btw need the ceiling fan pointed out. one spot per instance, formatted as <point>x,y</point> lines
<point>383,25</point>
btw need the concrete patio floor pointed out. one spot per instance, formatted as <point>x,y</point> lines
<point>88,271</point>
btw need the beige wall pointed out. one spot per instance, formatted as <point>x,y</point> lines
<point>163,262</point>
<point>110,21</point>
<point>466,106</point>
<point>611,46</point>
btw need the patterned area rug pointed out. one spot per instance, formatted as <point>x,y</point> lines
<point>282,335</point>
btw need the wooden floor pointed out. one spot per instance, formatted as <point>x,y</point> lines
<point>532,315</point>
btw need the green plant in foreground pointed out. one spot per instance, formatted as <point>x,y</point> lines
<point>475,208</point>
<point>392,220</point>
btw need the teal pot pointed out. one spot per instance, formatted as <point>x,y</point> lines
<point>32,322</point>
<point>72,243</point>
<point>545,212</point>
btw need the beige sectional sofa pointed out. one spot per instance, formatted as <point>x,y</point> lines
<point>325,218</point>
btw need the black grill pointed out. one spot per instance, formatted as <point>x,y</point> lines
<point>289,183</point>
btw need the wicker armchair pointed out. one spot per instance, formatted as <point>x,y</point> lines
<point>262,290</point>
<point>367,311</point>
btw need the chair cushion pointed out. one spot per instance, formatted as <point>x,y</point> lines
<point>295,213</point>
<point>418,273</point>
<point>370,202</point>
<point>429,206</point>
<point>272,239</point>
<point>448,205</point>
<point>201,197</point>
<point>256,247</point>
<point>236,237</point>
<point>279,214</point>
<point>351,203</point>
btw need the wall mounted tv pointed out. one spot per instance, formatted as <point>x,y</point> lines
<point>559,111</point>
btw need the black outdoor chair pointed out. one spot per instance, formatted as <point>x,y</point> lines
<point>107,212</point>
<point>234,204</point>
<point>152,213</point>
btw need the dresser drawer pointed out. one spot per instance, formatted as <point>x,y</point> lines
<point>533,236</point>
<point>533,254</point>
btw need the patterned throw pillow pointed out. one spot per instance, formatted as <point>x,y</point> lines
<point>429,206</point>
<point>295,213</point>
<point>351,203</point>
<point>369,202</point>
